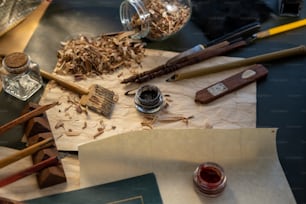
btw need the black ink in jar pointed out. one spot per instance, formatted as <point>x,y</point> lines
<point>148,99</point>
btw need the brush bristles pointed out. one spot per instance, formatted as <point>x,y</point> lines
<point>100,100</point>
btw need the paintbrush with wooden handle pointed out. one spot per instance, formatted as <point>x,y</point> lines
<point>96,98</point>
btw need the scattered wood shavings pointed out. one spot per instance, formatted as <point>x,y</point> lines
<point>150,120</point>
<point>59,124</point>
<point>166,19</point>
<point>90,56</point>
<point>100,132</point>
<point>71,133</point>
<point>85,125</point>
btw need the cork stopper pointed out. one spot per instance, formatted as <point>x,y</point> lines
<point>16,60</point>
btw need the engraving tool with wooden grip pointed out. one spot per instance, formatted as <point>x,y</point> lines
<point>231,84</point>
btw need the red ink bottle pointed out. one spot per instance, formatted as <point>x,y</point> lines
<point>209,179</point>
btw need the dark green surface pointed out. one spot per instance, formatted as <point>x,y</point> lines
<point>137,190</point>
<point>281,97</point>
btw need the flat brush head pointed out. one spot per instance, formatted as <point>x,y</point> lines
<point>99,100</point>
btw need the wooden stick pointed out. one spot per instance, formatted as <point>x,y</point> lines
<point>28,171</point>
<point>25,117</point>
<point>26,152</point>
<point>240,63</point>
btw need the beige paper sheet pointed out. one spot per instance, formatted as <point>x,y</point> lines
<point>236,110</point>
<point>27,188</point>
<point>248,156</point>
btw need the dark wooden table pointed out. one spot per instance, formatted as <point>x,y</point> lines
<point>281,97</point>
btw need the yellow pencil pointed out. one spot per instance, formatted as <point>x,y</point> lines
<point>280,29</point>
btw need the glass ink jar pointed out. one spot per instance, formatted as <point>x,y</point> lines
<point>209,179</point>
<point>155,20</point>
<point>23,78</point>
<point>148,99</point>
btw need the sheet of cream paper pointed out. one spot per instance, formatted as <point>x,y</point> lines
<point>27,188</point>
<point>236,110</point>
<point>248,156</point>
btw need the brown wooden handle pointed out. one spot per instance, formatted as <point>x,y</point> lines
<point>28,171</point>
<point>68,85</point>
<point>25,117</point>
<point>299,50</point>
<point>26,152</point>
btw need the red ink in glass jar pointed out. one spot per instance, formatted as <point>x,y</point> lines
<point>209,179</point>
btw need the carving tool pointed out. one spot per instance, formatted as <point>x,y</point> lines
<point>26,152</point>
<point>194,58</point>
<point>300,50</point>
<point>96,98</point>
<point>244,32</point>
<point>26,117</point>
<point>231,84</point>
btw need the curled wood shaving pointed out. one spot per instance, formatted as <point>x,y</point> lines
<point>85,125</point>
<point>71,133</point>
<point>150,120</point>
<point>98,55</point>
<point>59,124</point>
<point>100,132</point>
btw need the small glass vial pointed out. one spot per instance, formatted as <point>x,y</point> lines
<point>209,179</point>
<point>23,78</point>
<point>148,99</point>
<point>155,20</point>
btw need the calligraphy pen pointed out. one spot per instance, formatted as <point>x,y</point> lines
<point>244,32</point>
<point>199,53</point>
<point>299,50</point>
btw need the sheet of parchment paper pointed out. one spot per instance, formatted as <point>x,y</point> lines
<point>27,188</point>
<point>248,156</point>
<point>236,110</point>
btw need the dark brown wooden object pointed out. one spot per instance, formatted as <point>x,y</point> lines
<point>38,129</point>
<point>230,84</point>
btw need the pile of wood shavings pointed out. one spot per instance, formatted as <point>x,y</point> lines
<point>167,18</point>
<point>85,56</point>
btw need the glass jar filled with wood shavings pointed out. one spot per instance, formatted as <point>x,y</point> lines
<point>22,79</point>
<point>155,20</point>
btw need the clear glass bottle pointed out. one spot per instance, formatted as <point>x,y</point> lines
<point>23,78</point>
<point>155,20</point>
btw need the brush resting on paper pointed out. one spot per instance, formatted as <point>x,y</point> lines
<point>96,98</point>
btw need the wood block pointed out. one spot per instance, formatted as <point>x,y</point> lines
<point>39,137</point>
<point>44,154</point>
<point>36,130</point>
<point>29,107</point>
<point>37,125</point>
<point>51,176</point>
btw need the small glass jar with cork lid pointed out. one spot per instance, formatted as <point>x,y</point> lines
<point>155,20</point>
<point>23,76</point>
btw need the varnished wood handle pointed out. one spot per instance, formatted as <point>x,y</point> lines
<point>25,152</point>
<point>25,117</point>
<point>28,171</point>
<point>68,85</point>
<point>240,63</point>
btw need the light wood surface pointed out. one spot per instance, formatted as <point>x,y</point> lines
<point>17,38</point>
